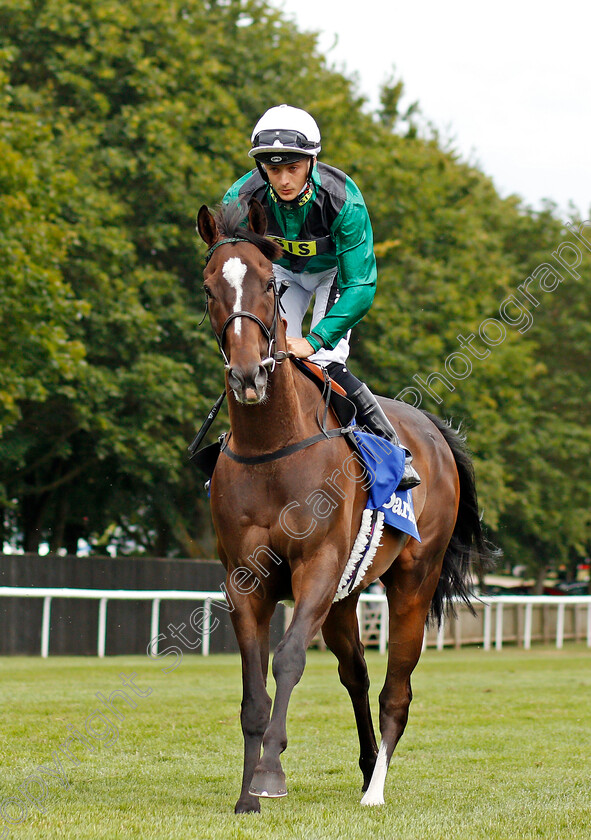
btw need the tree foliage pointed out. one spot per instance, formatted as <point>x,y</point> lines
<point>119,119</point>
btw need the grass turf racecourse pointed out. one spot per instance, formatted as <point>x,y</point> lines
<point>498,745</point>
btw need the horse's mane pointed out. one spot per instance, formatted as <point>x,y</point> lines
<point>230,220</point>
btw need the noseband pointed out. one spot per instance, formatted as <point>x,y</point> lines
<point>273,357</point>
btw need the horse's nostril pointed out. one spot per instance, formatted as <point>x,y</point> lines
<point>261,376</point>
<point>235,378</point>
<point>248,384</point>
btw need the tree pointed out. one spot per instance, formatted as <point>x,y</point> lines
<point>146,109</point>
<point>120,119</point>
<point>36,302</point>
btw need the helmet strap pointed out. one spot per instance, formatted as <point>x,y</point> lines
<point>299,200</point>
<point>262,171</point>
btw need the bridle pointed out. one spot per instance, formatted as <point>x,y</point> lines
<point>273,356</point>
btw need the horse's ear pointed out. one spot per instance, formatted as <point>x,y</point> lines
<point>257,218</point>
<point>206,225</point>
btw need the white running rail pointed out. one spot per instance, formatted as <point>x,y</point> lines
<point>105,595</point>
<point>515,609</point>
<point>486,605</point>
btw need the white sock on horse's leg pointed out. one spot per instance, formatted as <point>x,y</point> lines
<point>374,795</point>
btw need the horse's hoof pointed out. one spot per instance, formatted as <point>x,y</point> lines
<point>248,805</point>
<point>268,784</point>
<point>368,799</point>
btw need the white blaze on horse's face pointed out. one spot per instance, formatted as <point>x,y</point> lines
<point>233,272</point>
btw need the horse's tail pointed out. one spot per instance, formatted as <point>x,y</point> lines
<point>468,546</point>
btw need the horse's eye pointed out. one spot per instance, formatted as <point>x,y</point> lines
<point>270,284</point>
<point>208,292</point>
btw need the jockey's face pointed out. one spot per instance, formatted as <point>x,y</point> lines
<point>288,179</point>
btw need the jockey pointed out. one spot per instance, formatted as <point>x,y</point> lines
<point>318,215</point>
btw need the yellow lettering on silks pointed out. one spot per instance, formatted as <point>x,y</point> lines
<point>298,248</point>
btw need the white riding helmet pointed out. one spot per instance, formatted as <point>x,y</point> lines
<point>283,135</point>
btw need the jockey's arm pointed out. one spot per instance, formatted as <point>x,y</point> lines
<point>357,275</point>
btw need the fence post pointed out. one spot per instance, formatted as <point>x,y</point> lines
<point>45,622</point>
<point>529,609</point>
<point>499,626</point>
<point>102,627</point>
<point>560,626</point>
<point>206,627</point>
<point>155,624</point>
<point>487,626</point>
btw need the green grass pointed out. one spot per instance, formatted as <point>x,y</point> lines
<point>498,746</point>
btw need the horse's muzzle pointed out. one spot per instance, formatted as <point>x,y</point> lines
<point>249,386</point>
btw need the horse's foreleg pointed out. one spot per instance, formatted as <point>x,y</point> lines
<point>409,596</point>
<point>252,633</point>
<point>341,633</point>
<point>313,598</point>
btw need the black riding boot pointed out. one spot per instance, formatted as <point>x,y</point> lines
<point>371,415</point>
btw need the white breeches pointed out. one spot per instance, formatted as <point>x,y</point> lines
<point>296,300</point>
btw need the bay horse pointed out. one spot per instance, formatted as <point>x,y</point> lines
<point>286,518</point>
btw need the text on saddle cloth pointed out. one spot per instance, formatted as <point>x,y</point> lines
<point>384,463</point>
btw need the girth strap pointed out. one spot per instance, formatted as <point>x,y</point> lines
<point>286,450</point>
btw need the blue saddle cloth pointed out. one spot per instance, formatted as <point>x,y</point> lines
<point>385,464</point>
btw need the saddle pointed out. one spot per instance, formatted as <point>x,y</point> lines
<point>334,395</point>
